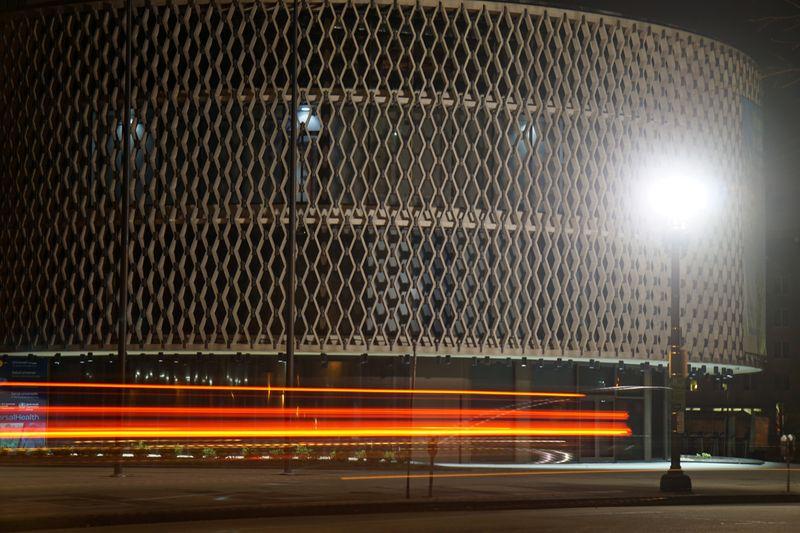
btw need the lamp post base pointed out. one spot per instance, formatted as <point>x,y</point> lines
<point>676,481</point>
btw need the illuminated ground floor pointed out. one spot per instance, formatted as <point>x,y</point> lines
<point>372,407</point>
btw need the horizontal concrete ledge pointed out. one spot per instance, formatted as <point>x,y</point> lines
<point>387,506</point>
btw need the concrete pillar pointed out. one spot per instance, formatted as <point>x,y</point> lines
<point>522,382</point>
<point>667,430</point>
<point>466,383</point>
<point>730,434</point>
<point>647,441</point>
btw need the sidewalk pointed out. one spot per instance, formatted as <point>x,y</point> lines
<point>46,497</point>
<point>688,462</point>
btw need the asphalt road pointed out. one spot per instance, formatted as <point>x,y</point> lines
<point>706,519</point>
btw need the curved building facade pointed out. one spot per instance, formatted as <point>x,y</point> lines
<point>465,174</point>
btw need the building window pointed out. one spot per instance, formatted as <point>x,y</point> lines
<point>780,349</point>
<point>782,284</point>
<point>782,318</point>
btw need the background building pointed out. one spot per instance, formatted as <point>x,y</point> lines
<point>467,176</point>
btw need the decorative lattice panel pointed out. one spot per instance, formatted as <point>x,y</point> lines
<point>465,178</point>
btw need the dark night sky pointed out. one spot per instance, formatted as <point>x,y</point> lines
<point>775,44</point>
<point>733,21</point>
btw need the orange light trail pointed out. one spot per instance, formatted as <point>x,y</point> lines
<point>152,422</point>
<point>323,412</point>
<point>269,389</point>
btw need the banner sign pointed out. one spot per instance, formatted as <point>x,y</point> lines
<point>23,417</point>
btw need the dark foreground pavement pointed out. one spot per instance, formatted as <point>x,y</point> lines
<point>53,497</point>
<point>774,518</point>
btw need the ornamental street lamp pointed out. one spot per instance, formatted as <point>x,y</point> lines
<point>305,121</point>
<point>677,202</point>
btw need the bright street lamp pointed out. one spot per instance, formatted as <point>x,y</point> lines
<point>677,203</point>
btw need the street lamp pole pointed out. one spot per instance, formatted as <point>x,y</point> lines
<point>675,480</point>
<point>290,238</point>
<point>122,348</point>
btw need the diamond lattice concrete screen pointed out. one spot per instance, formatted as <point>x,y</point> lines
<point>466,174</point>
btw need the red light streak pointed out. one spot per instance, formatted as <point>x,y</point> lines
<point>330,422</point>
<point>269,389</point>
<point>311,432</point>
<point>323,412</point>
<point>307,424</point>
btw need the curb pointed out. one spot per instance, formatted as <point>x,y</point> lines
<point>392,506</point>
